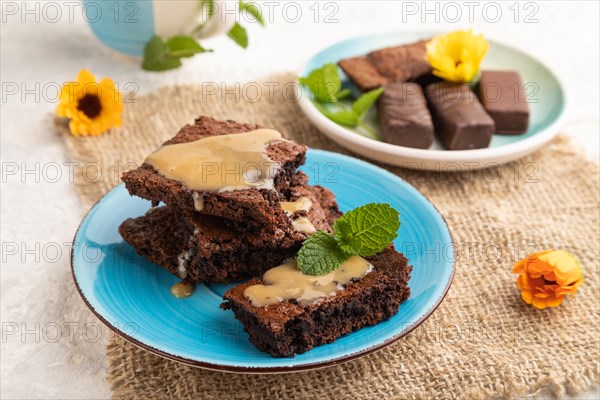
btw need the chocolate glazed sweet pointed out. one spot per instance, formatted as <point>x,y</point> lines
<point>503,97</point>
<point>404,117</point>
<point>458,117</point>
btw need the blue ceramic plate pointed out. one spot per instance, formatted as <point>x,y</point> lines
<point>132,296</point>
<point>543,90</point>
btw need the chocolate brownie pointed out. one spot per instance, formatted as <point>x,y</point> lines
<point>362,73</point>
<point>391,64</point>
<point>287,328</point>
<point>324,197</point>
<point>250,207</point>
<point>203,248</point>
<point>401,63</point>
<point>328,203</point>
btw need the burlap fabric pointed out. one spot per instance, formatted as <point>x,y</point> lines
<point>482,342</point>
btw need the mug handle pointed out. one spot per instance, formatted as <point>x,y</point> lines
<point>219,23</point>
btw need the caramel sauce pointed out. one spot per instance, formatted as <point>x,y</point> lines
<point>219,163</point>
<point>287,282</point>
<point>182,289</point>
<point>290,207</point>
<point>301,224</point>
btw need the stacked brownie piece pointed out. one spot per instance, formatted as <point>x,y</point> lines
<point>287,328</point>
<point>228,235</point>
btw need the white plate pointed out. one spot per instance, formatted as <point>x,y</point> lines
<point>547,105</point>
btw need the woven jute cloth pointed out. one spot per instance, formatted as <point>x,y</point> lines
<point>482,342</point>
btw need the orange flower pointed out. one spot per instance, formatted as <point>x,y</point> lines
<point>547,277</point>
<point>91,107</point>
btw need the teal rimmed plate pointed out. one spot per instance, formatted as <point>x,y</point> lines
<point>132,296</point>
<point>543,89</point>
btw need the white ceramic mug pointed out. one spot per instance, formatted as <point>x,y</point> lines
<point>127,25</point>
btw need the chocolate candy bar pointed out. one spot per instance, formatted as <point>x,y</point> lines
<point>459,118</point>
<point>404,117</point>
<point>503,97</point>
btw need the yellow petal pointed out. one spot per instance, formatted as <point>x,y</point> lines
<point>527,297</point>
<point>457,55</point>
<point>539,303</point>
<point>85,77</point>
<point>565,266</point>
<point>111,99</point>
<point>554,301</point>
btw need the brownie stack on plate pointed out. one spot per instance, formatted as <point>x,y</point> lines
<point>237,233</point>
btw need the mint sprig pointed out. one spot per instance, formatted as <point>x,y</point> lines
<point>325,85</point>
<point>321,253</point>
<point>364,231</point>
<point>352,117</point>
<point>365,101</point>
<point>160,55</point>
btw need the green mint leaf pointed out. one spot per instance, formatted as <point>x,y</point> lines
<point>320,254</point>
<point>342,94</point>
<point>365,101</point>
<point>368,229</point>
<point>157,56</point>
<point>347,249</point>
<point>184,46</point>
<point>324,83</point>
<point>239,35</point>
<point>343,117</point>
<point>161,56</point>
<point>253,10</point>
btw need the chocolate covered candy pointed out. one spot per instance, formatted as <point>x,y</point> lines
<point>404,118</point>
<point>459,118</point>
<point>503,97</point>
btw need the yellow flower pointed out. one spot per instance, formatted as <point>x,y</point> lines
<point>456,56</point>
<point>547,277</point>
<point>91,107</point>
